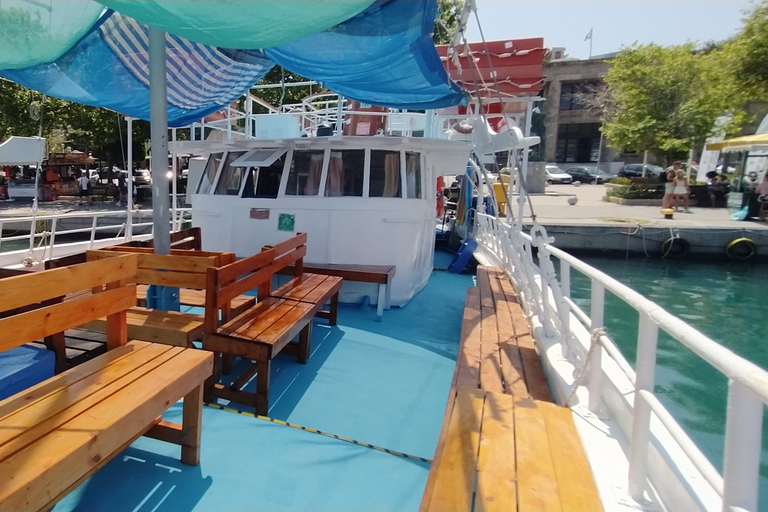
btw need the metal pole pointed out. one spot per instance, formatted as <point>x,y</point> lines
<point>158,112</point>
<point>129,199</point>
<point>174,171</point>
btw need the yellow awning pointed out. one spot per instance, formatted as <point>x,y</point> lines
<point>746,143</point>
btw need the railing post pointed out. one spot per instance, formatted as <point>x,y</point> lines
<point>53,236</point>
<point>595,362</point>
<point>743,436</point>
<point>647,340</point>
<point>93,229</point>
<point>565,278</point>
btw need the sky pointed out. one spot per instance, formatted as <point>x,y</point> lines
<point>614,23</point>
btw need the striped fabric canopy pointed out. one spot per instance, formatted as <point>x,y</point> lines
<point>108,65</point>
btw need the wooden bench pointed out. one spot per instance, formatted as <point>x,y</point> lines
<point>503,444</point>
<point>264,330</point>
<point>181,268</point>
<point>56,434</point>
<point>377,274</point>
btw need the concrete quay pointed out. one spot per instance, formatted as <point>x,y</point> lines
<point>596,225</point>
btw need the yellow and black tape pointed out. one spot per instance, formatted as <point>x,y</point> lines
<point>320,432</point>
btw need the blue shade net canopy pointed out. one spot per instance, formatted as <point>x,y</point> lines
<point>383,55</point>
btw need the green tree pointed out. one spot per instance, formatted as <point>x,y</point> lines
<point>448,14</point>
<point>748,52</point>
<point>666,100</point>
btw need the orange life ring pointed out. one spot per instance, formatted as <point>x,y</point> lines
<point>440,206</point>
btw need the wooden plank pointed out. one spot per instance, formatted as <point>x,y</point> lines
<point>49,320</point>
<point>455,474</point>
<point>512,369</point>
<point>25,426</point>
<point>439,449</point>
<point>37,287</point>
<point>535,379</point>
<point>231,272</point>
<point>167,327</point>
<point>379,274</point>
<point>578,490</point>
<point>467,374</point>
<point>536,480</point>
<point>161,277</point>
<point>92,437</point>
<point>496,489</point>
<point>490,362</point>
<point>483,282</point>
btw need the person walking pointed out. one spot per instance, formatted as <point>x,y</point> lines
<point>668,178</point>
<point>681,190</point>
<point>85,187</point>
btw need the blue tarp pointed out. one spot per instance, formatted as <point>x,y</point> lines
<point>383,56</point>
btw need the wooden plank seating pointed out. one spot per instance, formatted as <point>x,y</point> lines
<point>305,285</point>
<point>182,268</point>
<point>264,330</point>
<point>504,445</point>
<point>56,434</point>
<point>377,274</point>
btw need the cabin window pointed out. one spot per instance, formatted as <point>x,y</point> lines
<point>385,174</point>
<point>209,174</point>
<point>413,175</point>
<point>231,176</point>
<point>304,175</point>
<point>264,181</point>
<point>345,173</point>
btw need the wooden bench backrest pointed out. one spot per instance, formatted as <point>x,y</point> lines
<point>181,268</point>
<point>290,252</point>
<point>111,297</point>
<point>190,238</point>
<point>232,280</point>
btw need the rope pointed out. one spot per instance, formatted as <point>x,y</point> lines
<point>594,342</point>
<point>320,432</point>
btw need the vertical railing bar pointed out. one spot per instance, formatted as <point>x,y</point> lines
<point>743,437</point>
<point>647,341</point>
<point>595,362</point>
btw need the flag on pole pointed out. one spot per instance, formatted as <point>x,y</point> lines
<point>589,35</point>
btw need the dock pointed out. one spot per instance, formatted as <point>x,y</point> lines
<point>593,224</point>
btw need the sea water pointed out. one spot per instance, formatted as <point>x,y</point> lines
<point>726,301</point>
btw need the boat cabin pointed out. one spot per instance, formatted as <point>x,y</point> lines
<point>361,200</point>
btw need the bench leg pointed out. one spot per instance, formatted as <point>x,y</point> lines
<point>56,343</point>
<point>303,349</point>
<point>192,418</point>
<point>387,302</point>
<point>226,363</point>
<point>334,315</point>
<point>381,302</point>
<point>210,383</point>
<point>262,387</point>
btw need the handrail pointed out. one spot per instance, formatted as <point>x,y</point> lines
<point>549,300</point>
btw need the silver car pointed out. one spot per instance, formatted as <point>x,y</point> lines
<point>557,177</point>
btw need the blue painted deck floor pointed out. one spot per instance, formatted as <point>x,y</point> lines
<point>385,384</point>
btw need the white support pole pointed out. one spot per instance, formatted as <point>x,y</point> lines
<point>597,317</point>
<point>647,340</point>
<point>174,173</point>
<point>340,117</point>
<point>129,184</point>
<point>248,115</point>
<point>158,111</point>
<point>743,436</point>
<point>645,162</point>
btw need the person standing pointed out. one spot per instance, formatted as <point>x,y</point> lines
<point>669,175</point>
<point>85,187</point>
<point>681,190</point>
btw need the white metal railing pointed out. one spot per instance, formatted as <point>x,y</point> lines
<point>43,230</point>
<point>543,296</point>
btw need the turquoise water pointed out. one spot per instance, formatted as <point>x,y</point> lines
<point>724,300</point>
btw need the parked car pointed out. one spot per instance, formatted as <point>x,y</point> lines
<point>142,177</point>
<point>556,176</point>
<point>588,175</point>
<point>636,171</point>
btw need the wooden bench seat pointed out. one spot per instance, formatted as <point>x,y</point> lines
<point>58,433</point>
<point>503,444</point>
<point>268,328</point>
<point>376,274</point>
<point>169,327</point>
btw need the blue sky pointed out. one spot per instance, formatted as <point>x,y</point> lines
<point>615,23</point>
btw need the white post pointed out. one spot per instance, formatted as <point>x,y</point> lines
<point>565,278</point>
<point>129,199</point>
<point>174,171</point>
<point>527,133</point>
<point>645,161</point>
<point>743,431</point>
<point>597,316</point>
<point>158,111</point>
<point>248,115</point>
<point>647,340</point>
<point>340,116</point>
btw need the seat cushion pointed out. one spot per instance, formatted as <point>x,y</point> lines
<point>24,366</point>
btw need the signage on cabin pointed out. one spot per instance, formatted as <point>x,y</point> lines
<point>260,213</point>
<point>286,222</point>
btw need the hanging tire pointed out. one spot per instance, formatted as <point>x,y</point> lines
<point>674,247</point>
<point>741,249</point>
